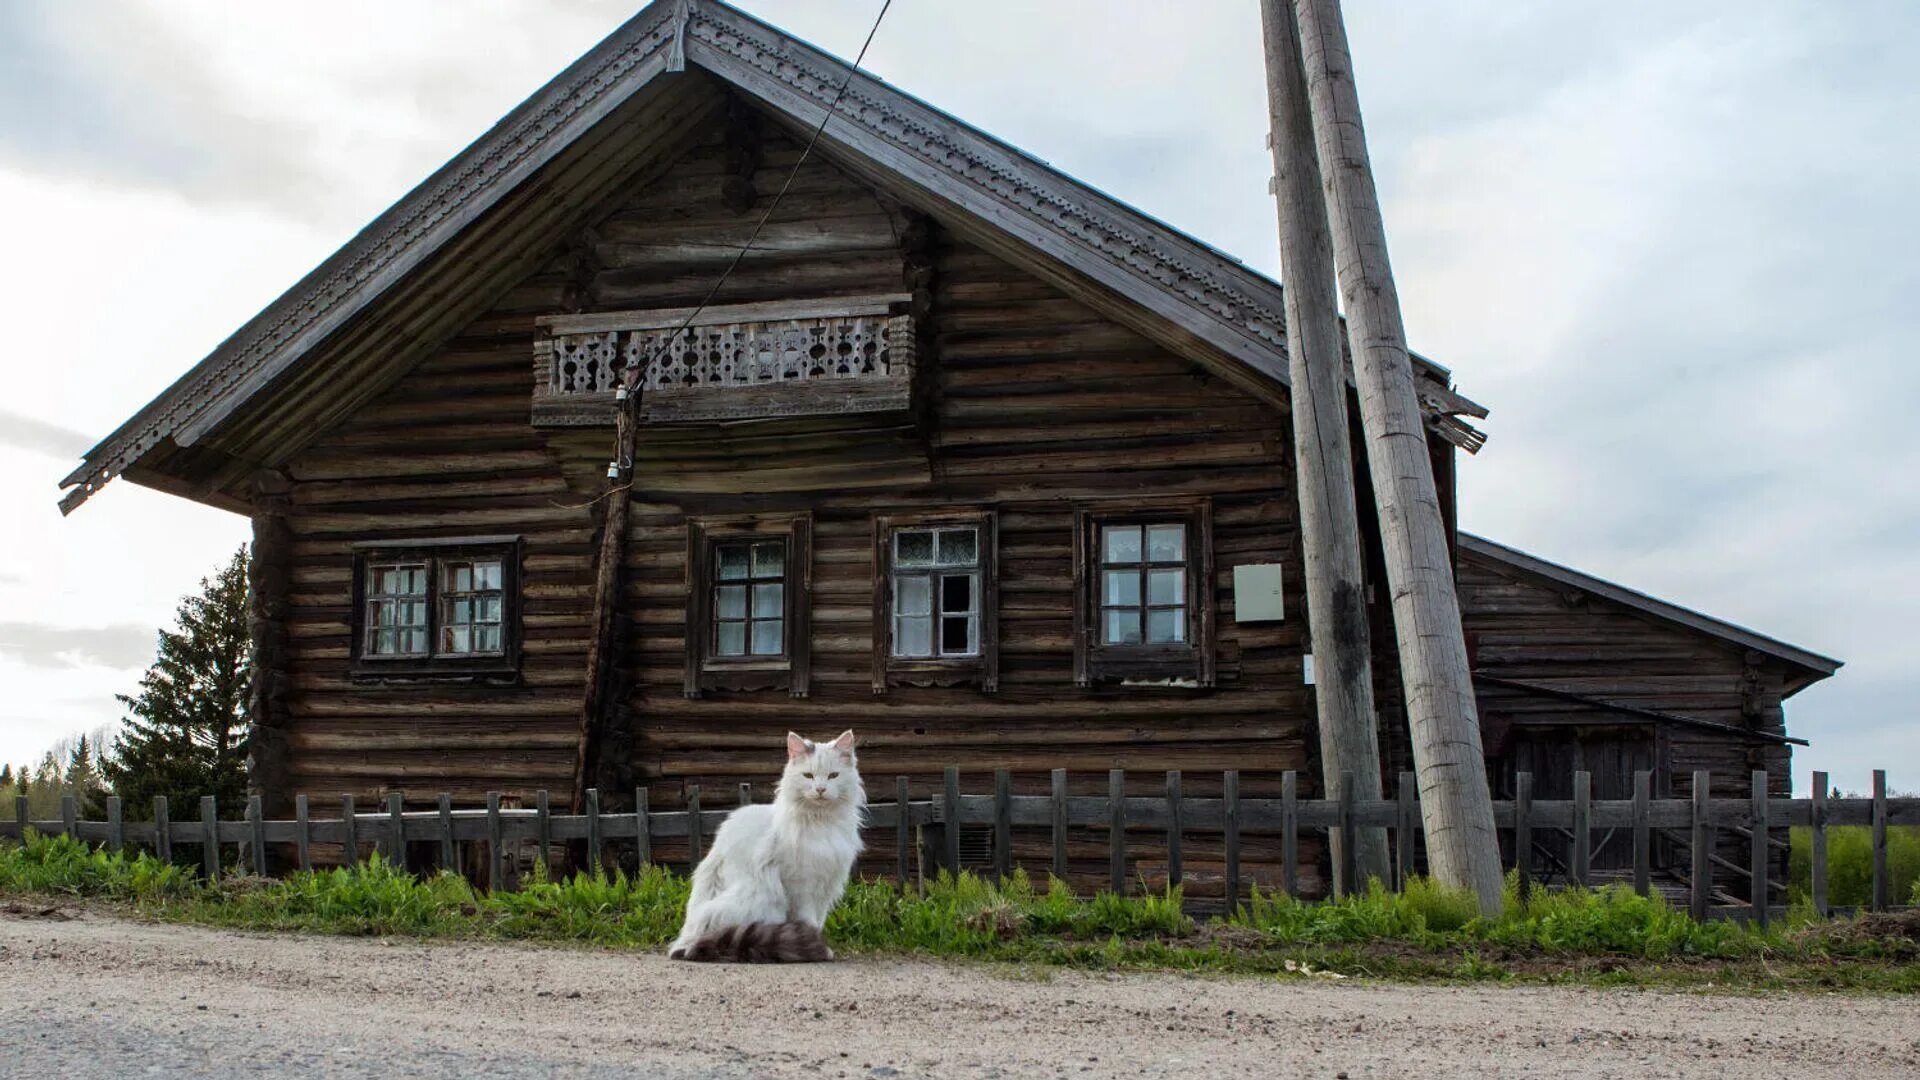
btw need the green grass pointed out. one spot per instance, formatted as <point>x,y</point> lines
<point>1428,932</point>
<point>1850,863</point>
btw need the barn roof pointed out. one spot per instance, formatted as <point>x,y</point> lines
<point>439,255</point>
<point>1813,665</point>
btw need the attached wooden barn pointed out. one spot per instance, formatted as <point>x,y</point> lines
<point>964,455</point>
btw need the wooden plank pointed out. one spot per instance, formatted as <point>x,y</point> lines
<point>642,827</point>
<point>70,815</point>
<point>1175,868</point>
<point>594,847</point>
<point>1642,832</point>
<point>1818,830</point>
<point>162,827</point>
<point>1059,823</point>
<point>1290,833</point>
<point>1117,830</point>
<point>1523,833</point>
<point>1230,810</point>
<point>302,834</point>
<point>1881,883</point>
<point>210,837</point>
<point>1345,881</point>
<point>21,814</point>
<point>1700,893</point>
<point>449,853</point>
<point>1582,869</point>
<point>396,829</point>
<point>746,793</point>
<point>116,827</point>
<point>349,832</point>
<point>950,828</point>
<point>1761,856</point>
<point>1404,837</point>
<point>902,832</point>
<point>256,815</point>
<point>543,809</point>
<point>496,859</point>
<point>693,827</point>
<point>1002,824</point>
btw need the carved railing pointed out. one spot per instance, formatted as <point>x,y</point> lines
<point>743,361</point>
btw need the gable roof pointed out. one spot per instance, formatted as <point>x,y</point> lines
<point>1813,664</point>
<point>1133,268</point>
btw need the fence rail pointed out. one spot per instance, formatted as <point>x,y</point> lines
<point>1692,824</point>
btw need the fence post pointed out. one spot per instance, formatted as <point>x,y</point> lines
<point>1760,855</point>
<point>1523,833</point>
<point>70,815</point>
<point>1403,831</point>
<point>1290,833</point>
<point>642,827</point>
<point>543,816</point>
<point>22,815</point>
<point>1060,824</point>
<point>1230,808</point>
<point>1819,837</point>
<point>1348,867</point>
<point>449,852</point>
<point>1702,841</point>
<point>694,840</point>
<point>950,813</point>
<point>116,827</point>
<point>396,829</point>
<point>1582,828</point>
<point>902,831</point>
<point>1002,824</point>
<point>1880,882</point>
<point>302,833</point>
<point>162,828</point>
<point>258,815</point>
<point>496,863</point>
<point>594,849</point>
<point>1642,832</point>
<point>1117,830</point>
<point>1175,864</point>
<point>349,831</point>
<point>210,838</point>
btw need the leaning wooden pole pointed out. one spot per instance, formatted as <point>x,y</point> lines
<point>601,646</point>
<point>1456,807</point>
<point>1323,460</point>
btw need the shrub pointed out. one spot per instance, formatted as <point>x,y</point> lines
<point>1850,862</point>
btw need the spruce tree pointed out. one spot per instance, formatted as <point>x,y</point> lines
<point>185,734</point>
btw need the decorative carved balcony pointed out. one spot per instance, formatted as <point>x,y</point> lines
<point>739,362</point>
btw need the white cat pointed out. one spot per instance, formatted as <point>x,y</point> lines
<point>775,871</point>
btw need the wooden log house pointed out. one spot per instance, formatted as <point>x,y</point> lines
<point>964,455</point>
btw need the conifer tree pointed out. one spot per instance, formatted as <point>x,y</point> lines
<point>186,731</point>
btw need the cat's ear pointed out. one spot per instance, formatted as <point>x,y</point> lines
<point>844,743</point>
<point>797,747</point>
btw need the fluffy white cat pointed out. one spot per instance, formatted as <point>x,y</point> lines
<point>763,892</point>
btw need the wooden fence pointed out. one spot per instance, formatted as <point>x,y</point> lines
<point>1693,824</point>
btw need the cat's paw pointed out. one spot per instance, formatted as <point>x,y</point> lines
<point>676,953</point>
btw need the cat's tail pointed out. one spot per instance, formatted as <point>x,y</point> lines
<point>759,943</point>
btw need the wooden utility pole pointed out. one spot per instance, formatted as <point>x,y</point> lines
<point>1456,807</point>
<point>1323,461</point>
<point>596,704</point>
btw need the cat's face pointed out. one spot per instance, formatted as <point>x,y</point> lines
<point>822,772</point>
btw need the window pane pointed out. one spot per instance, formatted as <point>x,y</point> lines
<point>730,601</point>
<point>416,642</point>
<point>1122,628</point>
<point>913,548</point>
<point>386,643</point>
<point>769,560</point>
<point>1167,627</point>
<point>732,640</point>
<point>413,613</point>
<point>768,601</point>
<point>1122,543</point>
<point>459,611</point>
<point>1123,588</point>
<point>486,575</point>
<point>913,635</point>
<point>459,577</point>
<point>958,547</point>
<point>490,608</point>
<point>956,594</point>
<point>455,639</point>
<point>416,581</point>
<point>912,595</point>
<point>732,561</point>
<point>1166,543</point>
<point>486,639</point>
<point>956,635</point>
<point>767,637</point>
<point>1166,587</point>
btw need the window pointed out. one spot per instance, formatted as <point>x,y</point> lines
<point>747,618</point>
<point>431,608</point>
<point>1147,612</point>
<point>934,604</point>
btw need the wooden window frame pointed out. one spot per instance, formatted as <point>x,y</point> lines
<point>1193,661</point>
<point>981,669</point>
<point>434,667</point>
<point>791,670</point>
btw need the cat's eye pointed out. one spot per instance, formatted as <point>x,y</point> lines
<point>808,775</point>
<point>833,776</point>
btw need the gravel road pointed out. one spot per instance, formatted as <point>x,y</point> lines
<point>98,996</point>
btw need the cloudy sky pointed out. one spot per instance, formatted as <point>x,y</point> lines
<point>1671,245</point>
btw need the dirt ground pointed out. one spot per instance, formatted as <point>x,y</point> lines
<point>95,995</point>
